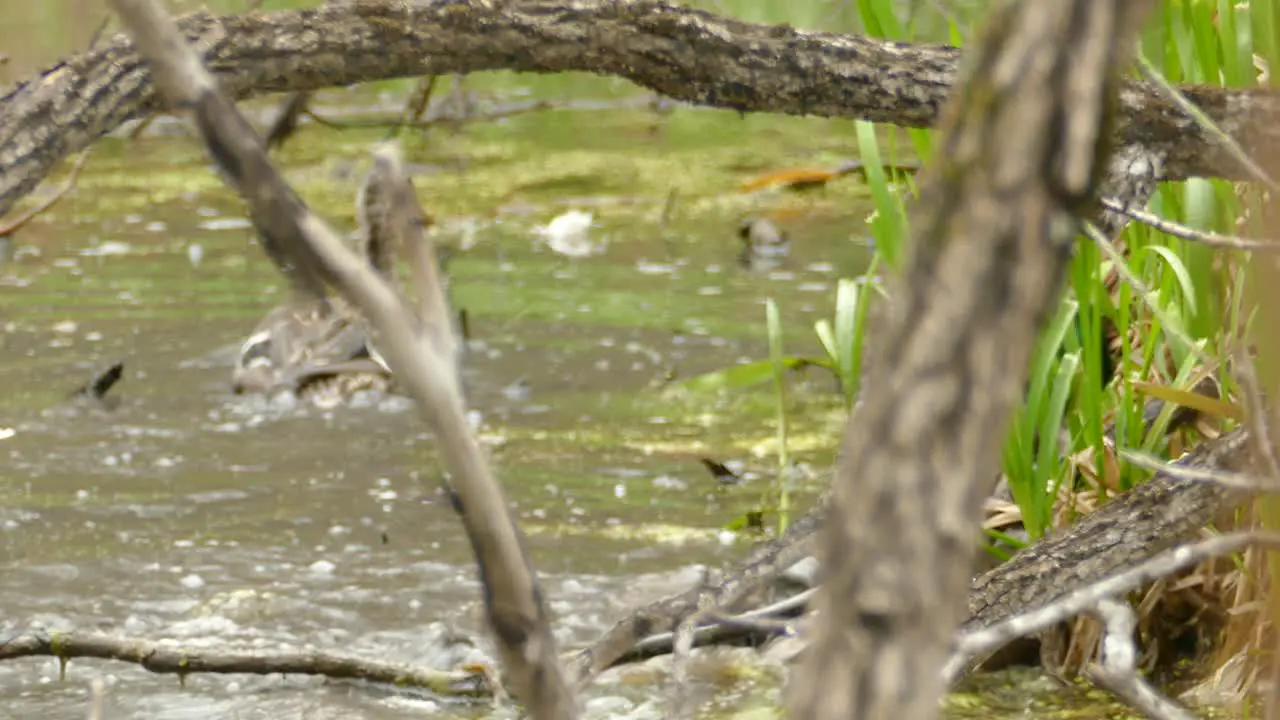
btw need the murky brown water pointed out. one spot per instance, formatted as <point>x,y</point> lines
<point>250,523</point>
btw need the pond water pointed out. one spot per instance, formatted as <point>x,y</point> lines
<point>252,523</point>
<point>248,523</point>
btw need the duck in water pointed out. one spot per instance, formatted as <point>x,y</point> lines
<point>320,349</point>
<point>763,244</point>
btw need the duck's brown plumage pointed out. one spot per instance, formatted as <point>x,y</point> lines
<point>322,348</point>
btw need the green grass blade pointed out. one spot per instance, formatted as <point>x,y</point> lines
<point>745,375</point>
<point>888,225</point>
<point>778,359</point>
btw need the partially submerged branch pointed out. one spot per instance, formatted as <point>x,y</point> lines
<point>1118,670</point>
<point>766,562</point>
<point>172,659</point>
<point>682,53</point>
<point>1125,532</point>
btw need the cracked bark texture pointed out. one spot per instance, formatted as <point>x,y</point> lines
<point>1019,161</point>
<point>683,53</point>
<point>1145,521</point>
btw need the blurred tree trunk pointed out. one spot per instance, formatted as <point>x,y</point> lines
<point>1019,160</point>
<point>1263,656</point>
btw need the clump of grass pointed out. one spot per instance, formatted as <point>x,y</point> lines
<point>1033,463</point>
<point>843,338</point>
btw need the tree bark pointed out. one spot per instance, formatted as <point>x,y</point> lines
<point>182,661</point>
<point>1130,529</point>
<point>682,53</point>
<point>1149,519</point>
<point>1131,179</point>
<point>1021,154</point>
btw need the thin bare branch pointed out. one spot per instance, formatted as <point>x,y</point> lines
<point>1184,232</point>
<point>19,222</point>
<point>97,33</point>
<point>1240,481</point>
<point>173,659</point>
<point>419,100</point>
<point>664,641</point>
<point>1118,671</point>
<point>763,626</point>
<point>416,122</point>
<point>420,351</point>
<point>285,123</point>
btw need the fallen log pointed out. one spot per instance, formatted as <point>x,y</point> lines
<point>1132,528</point>
<point>682,53</point>
<point>1146,520</point>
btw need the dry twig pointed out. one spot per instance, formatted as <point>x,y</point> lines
<point>285,123</point>
<point>1184,232</point>
<point>17,223</point>
<point>172,659</point>
<point>417,122</point>
<point>1241,481</point>
<point>758,618</point>
<point>1118,671</point>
